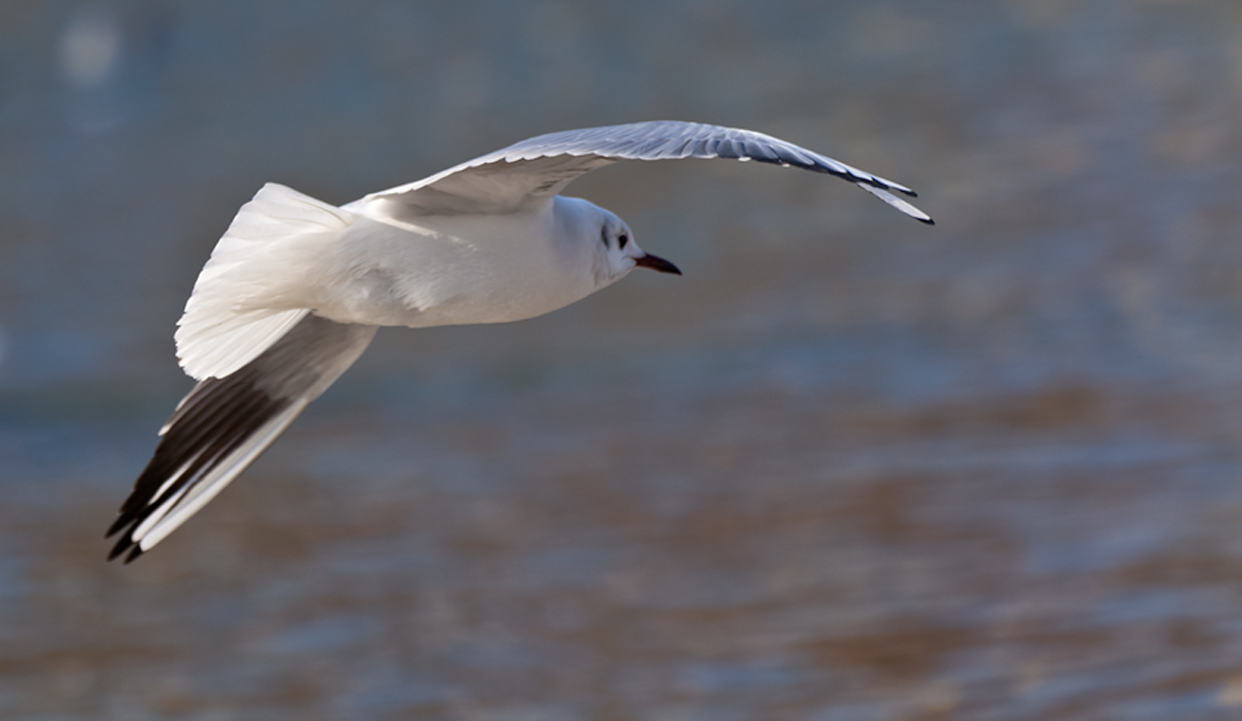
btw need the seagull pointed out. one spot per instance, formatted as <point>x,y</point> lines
<point>296,288</point>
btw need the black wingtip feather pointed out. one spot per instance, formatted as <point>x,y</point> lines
<point>221,415</point>
<point>122,545</point>
<point>117,525</point>
<point>218,415</point>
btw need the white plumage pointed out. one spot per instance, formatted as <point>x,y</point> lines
<point>296,287</point>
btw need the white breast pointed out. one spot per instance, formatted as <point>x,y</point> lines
<point>449,270</point>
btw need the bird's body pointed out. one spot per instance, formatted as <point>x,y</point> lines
<point>296,287</point>
<point>453,270</point>
<point>420,272</point>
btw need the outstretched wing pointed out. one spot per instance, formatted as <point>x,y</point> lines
<point>536,169</point>
<point>225,423</point>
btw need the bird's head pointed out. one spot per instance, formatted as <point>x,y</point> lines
<point>615,251</point>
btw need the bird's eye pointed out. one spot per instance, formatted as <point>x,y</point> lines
<point>622,240</point>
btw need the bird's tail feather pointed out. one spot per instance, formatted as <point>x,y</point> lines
<point>236,311</point>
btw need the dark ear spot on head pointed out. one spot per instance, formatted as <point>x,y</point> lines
<point>622,240</point>
<point>603,235</point>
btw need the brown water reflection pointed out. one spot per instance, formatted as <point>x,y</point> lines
<point>743,555</point>
<point>847,469</point>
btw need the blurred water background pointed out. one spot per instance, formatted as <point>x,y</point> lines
<point>849,468</point>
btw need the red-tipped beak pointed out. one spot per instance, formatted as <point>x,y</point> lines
<point>648,260</point>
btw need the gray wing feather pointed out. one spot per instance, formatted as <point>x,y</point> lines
<point>534,170</point>
<point>225,423</point>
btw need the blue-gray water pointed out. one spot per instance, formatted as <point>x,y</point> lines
<point>849,468</point>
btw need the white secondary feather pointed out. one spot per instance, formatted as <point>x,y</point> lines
<point>234,312</point>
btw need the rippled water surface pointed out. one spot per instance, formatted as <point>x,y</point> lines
<point>848,468</point>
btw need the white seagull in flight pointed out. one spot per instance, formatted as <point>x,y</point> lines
<point>296,288</point>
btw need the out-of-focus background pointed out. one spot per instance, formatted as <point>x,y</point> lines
<point>848,468</point>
